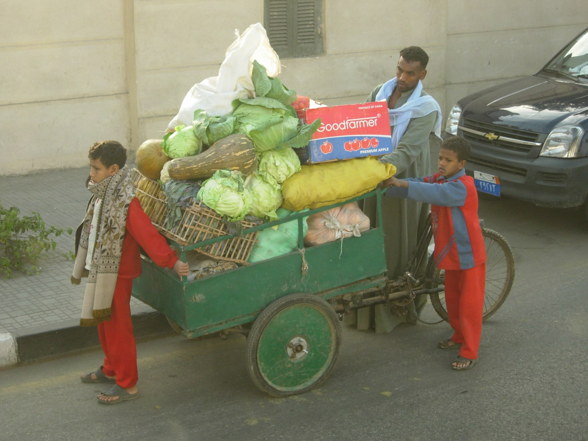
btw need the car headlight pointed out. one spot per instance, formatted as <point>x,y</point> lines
<point>563,142</point>
<point>453,120</point>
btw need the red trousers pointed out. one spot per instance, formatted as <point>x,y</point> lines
<point>464,297</point>
<point>117,339</point>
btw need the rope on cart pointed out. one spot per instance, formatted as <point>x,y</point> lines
<point>304,266</point>
<point>341,230</point>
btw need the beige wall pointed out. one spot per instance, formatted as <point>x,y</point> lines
<point>77,72</point>
<point>62,82</point>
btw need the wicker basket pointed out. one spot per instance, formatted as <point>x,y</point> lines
<point>153,201</point>
<point>200,223</point>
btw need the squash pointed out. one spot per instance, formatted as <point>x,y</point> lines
<point>150,158</point>
<point>233,152</point>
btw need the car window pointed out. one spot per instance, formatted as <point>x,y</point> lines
<point>573,60</point>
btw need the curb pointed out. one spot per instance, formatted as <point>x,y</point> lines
<point>38,344</point>
<point>8,355</point>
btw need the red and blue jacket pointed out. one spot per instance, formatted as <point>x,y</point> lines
<point>459,243</point>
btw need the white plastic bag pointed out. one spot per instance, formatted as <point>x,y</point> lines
<point>215,94</point>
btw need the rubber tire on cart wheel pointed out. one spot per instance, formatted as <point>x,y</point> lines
<point>293,345</point>
<point>500,272</point>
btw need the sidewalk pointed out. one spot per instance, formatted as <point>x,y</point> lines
<point>39,314</point>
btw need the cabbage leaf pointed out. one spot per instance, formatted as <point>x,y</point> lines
<point>212,128</point>
<point>304,135</point>
<point>266,86</point>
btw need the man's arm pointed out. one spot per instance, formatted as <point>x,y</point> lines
<point>412,143</point>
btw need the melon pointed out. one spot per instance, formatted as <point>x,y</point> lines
<point>150,158</point>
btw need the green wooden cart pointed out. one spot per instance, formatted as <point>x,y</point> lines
<point>289,306</point>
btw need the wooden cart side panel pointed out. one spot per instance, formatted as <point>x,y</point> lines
<point>237,296</point>
<point>162,290</point>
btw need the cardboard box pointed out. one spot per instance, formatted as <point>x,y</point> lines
<point>350,131</point>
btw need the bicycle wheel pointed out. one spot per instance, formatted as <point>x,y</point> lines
<point>500,272</point>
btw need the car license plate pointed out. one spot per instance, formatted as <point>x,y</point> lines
<point>487,183</point>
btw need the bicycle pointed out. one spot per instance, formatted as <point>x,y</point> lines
<point>422,277</point>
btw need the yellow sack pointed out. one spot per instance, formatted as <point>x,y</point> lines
<point>327,183</point>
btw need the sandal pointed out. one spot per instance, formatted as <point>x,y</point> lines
<point>462,364</point>
<point>98,376</point>
<point>448,344</point>
<point>116,395</point>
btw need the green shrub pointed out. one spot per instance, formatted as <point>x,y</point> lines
<point>23,239</point>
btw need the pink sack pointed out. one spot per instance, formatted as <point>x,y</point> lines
<point>337,223</point>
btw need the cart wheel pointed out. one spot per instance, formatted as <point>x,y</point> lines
<point>175,327</point>
<point>293,345</point>
<point>500,273</point>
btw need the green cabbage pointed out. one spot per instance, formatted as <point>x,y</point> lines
<point>258,113</point>
<point>279,165</point>
<point>182,142</point>
<point>212,128</point>
<point>220,128</point>
<point>271,124</point>
<point>273,136</point>
<point>225,193</point>
<point>266,196</point>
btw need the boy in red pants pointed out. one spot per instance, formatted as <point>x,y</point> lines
<point>459,244</point>
<point>107,252</point>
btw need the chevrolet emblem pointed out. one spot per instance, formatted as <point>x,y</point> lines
<point>491,136</point>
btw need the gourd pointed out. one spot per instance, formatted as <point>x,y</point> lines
<point>233,152</point>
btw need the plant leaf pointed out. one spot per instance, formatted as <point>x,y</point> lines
<point>303,137</point>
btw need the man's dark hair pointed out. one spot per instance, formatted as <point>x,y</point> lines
<point>458,145</point>
<point>415,53</point>
<point>109,153</point>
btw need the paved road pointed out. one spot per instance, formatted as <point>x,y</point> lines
<point>531,382</point>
